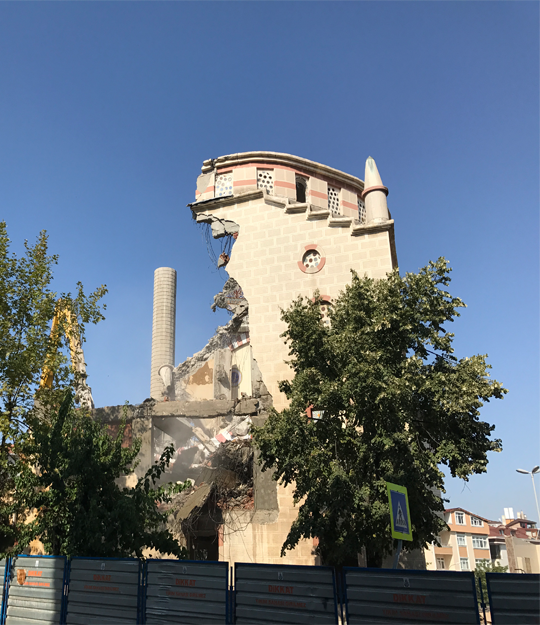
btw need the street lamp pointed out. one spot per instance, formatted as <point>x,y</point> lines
<point>532,473</point>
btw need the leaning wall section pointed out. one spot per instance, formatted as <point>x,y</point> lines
<point>264,262</point>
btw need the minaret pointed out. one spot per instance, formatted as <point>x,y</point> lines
<point>374,194</point>
<point>163,332</point>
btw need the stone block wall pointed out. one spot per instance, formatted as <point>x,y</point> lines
<point>265,262</point>
<point>257,536</point>
<point>269,262</point>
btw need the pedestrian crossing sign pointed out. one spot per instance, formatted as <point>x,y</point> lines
<point>400,517</point>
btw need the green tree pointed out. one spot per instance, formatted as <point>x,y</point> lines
<point>483,567</point>
<point>27,307</point>
<point>69,477</point>
<point>396,404</point>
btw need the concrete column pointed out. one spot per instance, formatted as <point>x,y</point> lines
<point>374,194</point>
<point>163,327</point>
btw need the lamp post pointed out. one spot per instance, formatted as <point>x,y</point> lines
<point>532,473</point>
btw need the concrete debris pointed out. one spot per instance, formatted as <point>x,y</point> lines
<point>225,483</point>
<point>231,298</point>
<point>220,340</point>
<point>195,500</point>
<point>223,478</point>
<point>236,457</point>
<point>220,227</point>
<point>223,260</point>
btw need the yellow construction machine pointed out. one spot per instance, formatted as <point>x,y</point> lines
<point>83,392</point>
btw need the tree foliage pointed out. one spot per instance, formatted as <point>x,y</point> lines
<point>27,307</point>
<point>481,568</point>
<point>396,405</point>
<point>69,478</point>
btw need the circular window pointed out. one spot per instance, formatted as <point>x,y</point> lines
<point>236,377</point>
<point>311,259</point>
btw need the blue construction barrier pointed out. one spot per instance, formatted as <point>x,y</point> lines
<point>103,591</point>
<point>185,591</point>
<point>405,596</point>
<point>275,593</point>
<point>514,599</point>
<point>52,590</point>
<point>4,564</point>
<point>35,591</point>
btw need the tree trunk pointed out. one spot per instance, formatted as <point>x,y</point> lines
<point>374,559</point>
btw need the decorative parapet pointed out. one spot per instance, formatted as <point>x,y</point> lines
<point>292,179</point>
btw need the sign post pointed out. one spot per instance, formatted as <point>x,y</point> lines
<point>400,517</point>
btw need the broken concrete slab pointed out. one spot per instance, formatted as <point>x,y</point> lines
<point>206,408</point>
<point>247,406</point>
<point>220,227</point>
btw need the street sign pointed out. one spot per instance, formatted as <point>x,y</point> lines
<point>399,512</point>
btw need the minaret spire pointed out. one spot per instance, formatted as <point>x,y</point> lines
<point>374,194</point>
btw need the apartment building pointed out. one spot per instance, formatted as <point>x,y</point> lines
<point>463,545</point>
<point>515,543</point>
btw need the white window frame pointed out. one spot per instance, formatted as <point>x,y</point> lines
<point>362,216</point>
<point>337,190</point>
<point>476,522</point>
<point>459,515</point>
<point>223,184</point>
<point>484,542</point>
<point>439,562</point>
<point>461,540</point>
<point>267,184</point>
<point>464,564</point>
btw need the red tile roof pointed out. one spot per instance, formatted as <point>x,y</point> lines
<point>477,516</point>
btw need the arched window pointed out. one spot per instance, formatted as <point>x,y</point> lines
<point>301,189</point>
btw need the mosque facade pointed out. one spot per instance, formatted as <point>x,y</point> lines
<point>281,226</point>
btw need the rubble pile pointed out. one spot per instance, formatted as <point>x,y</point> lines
<point>225,483</point>
<point>236,458</point>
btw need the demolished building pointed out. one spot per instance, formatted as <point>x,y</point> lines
<point>287,226</point>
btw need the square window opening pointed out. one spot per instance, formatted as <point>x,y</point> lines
<point>333,200</point>
<point>265,180</point>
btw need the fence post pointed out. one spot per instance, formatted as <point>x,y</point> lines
<point>482,600</point>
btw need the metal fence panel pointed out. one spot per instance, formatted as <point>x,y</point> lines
<point>185,591</point>
<point>275,593</point>
<point>35,590</point>
<point>402,596</point>
<point>3,581</point>
<point>103,591</point>
<point>514,599</point>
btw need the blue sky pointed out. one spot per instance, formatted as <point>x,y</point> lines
<point>107,111</point>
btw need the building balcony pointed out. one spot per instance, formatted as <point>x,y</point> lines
<point>443,551</point>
